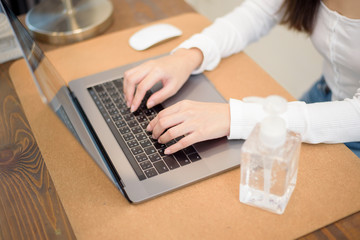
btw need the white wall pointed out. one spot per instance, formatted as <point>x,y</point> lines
<point>287,56</point>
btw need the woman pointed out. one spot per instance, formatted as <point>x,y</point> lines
<point>334,28</point>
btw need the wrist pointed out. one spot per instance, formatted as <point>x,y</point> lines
<point>192,57</point>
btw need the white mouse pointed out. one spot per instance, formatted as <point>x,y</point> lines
<point>153,34</point>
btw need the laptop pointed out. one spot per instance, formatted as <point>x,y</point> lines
<point>93,109</point>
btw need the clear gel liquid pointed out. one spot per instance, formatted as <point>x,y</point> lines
<point>268,176</point>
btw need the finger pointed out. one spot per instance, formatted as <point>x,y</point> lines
<point>173,132</point>
<point>161,95</point>
<point>131,78</point>
<point>152,123</point>
<point>166,123</point>
<point>142,88</point>
<point>164,113</point>
<point>129,90</point>
<point>176,108</point>
<point>183,143</point>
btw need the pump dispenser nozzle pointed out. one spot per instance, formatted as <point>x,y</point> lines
<point>273,126</point>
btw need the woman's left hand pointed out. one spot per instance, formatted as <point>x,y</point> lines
<point>197,121</point>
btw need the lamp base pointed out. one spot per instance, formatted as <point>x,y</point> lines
<point>52,22</point>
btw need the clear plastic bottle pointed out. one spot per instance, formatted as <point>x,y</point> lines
<point>269,160</point>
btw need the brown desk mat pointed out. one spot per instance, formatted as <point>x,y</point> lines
<point>328,180</point>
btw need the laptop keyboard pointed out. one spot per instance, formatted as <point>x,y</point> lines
<point>145,154</point>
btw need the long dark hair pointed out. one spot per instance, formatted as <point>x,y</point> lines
<point>300,14</point>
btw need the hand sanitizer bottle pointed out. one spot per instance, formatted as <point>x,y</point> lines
<point>269,160</point>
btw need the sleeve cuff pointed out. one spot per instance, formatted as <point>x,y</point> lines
<point>296,117</point>
<point>207,47</point>
<point>243,118</point>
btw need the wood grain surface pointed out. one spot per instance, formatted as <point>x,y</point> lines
<point>347,228</point>
<point>29,205</point>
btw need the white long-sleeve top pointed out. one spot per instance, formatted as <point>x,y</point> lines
<point>336,37</point>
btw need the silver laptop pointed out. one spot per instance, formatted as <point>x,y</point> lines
<point>94,111</point>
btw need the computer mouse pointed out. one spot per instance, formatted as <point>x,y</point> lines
<point>153,34</point>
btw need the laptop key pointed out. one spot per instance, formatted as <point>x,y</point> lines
<point>133,123</point>
<point>120,105</point>
<point>145,143</point>
<point>154,157</point>
<point>158,145</point>
<point>141,157</point>
<point>103,94</point>
<point>151,117</point>
<point>113,93</point>
<point>153,140</point>
<point>106,100</point>
<point>113,111</point>
<point>132,143</point>
<point>158,108</point>
<point>171,142</point>
<point>99,88</point>
<point>118,84</point>
<point>189,150</point>
<point>116,117</point>
<point>129,117</point>
<point>124,111</point>
<point>149,112</point>
<point>142,106</point>
<point>136,130</point>
<point>150,150</point>
<point>194,157</point>
<point>109,105</point>
<point>150,172</point>
<point>144,124</point>
<point>160,167</point>
<point>161,152</point>
<point>171,162</point>
<point>145,165</point>
<point>137,113</point>
<point>141,136</point>
<point>181,158</point>
<point>128,136</point>
<point>137,150</point>
<point>141,118</point>
<point>120,123</point>
<point>124,130</point>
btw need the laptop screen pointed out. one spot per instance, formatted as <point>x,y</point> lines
<point>47,80</point>
<point>55,92</point>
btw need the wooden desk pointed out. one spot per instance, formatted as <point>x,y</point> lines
<point>30,207</point>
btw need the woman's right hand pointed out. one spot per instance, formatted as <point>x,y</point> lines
<point>172,70</point>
